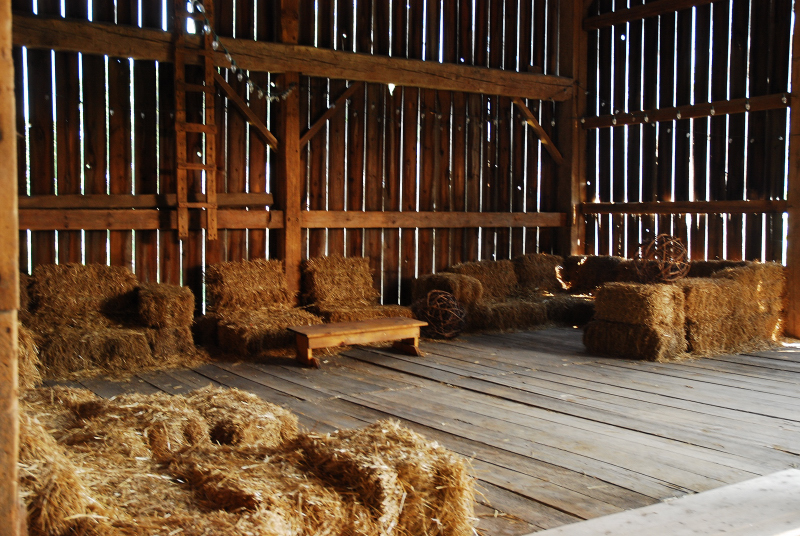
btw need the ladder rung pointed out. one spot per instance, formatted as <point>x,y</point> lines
<point>196,127</point>
<point>197,205</point>
<point>196,166</point>
<point>199,88</point>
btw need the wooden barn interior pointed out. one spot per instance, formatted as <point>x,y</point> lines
<point>169,137</point>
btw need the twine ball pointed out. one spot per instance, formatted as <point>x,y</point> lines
<point>661,260</point>
<point>446,318</point>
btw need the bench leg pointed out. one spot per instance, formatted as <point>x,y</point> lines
<point>409,346</point>
<point>304,356</point>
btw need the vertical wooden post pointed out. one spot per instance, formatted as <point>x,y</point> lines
<point>570,137</point>
<point>793,248</point>
<point>9,283</point>
<point>288,186</point>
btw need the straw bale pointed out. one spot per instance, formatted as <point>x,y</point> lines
<point>439,492</point>
<point>536,272</point>
<point>29,365</point>
<point>648,343</point>
<point>706,299</point>
<point>570,310</point>
<point>204,329</point>
<point>64,291</point>
<point>336,280</point>
<point>760,286</point>
<point>641,304</point>
<point>244,481</point>
<point>165,306</point>
<point>506,316</point>
<point>165,424</point>
<point>111,349</point>
<point>240,418</point>
<point>172,345</point>
<point>466,289</point>
<point>498,278</point>
<point>235,286</point>
<point>335,313</point>
<point>584,273</point>
<point>707,268</point>
<point>252,332</point>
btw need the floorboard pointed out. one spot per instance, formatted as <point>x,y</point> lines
<point>555,435</point>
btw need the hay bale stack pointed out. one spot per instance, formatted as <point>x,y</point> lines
<point>537,273</point>
<point>165,306</point>
<point>252,332</point>
<point>585,273</point>
<point>354,314</point>
<point>62,293</point>
<point>29,365</point>
<point>465,289</point>
<point>172,346</point>
<point>638,321</point>
<point>242,419</point>
<point>338,281</point>
<point>247,285</point>
<point>507,315</point>
<point>570,310</point>
<point>498,278</point>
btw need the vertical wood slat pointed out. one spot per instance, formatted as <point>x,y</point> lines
<point>792,326</point>
<point>10,518</point>
<point>702,44</point>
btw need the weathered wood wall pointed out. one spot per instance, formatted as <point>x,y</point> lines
<point>95,125</point>
<point>733,53</point>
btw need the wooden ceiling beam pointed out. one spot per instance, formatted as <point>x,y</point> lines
<point>148,44</point>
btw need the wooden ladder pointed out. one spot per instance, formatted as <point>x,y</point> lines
<point>207,127</point>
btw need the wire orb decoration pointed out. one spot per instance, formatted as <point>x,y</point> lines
<point>661,260</point>
<point>446,317</point>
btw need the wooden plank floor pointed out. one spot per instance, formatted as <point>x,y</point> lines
<point>555,435</point>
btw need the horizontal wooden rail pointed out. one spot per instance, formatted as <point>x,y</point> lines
<point>321,219</point>
<point>686,207</point>
<point>148,44</point>
<point>37,219</point>
<point>754,104</point>
<point>139,201</point>
<point>621,16</point>
<point>142,220</point>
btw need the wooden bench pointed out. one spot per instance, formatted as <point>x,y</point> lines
<point>404,331</point>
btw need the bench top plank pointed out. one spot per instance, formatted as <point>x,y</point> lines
<point>345,328</point>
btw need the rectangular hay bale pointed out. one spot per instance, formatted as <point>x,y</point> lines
<point>332,313</point>
<point>629,341</point>
<point>165,306</point>
<point>640,304</point>
<point>537,273</point>
<point>62,292</point>
<point>506,316</point>
<point>338,280</point>
<point>243,285</point>
<point>498,278</point>
<point>252,332</point>
<point>569,310</point>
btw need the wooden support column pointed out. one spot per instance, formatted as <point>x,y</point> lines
<point>793,248</point>
<point>9,285</point>
<point>288,190</point>
<point>569,136</point>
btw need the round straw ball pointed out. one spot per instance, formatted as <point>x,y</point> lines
<point>446,318</point>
